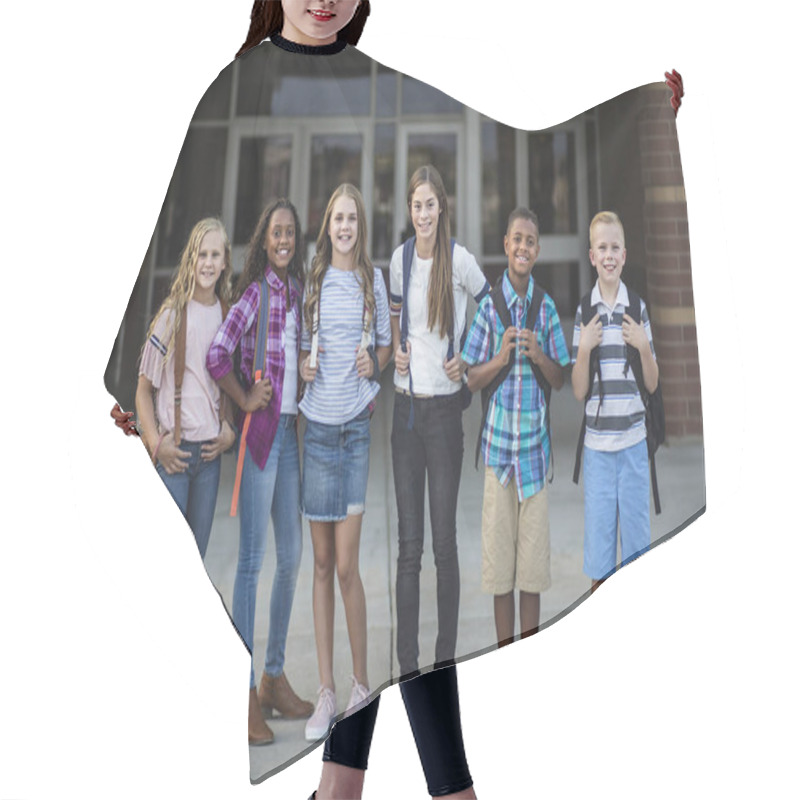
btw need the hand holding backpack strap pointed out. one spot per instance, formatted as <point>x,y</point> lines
<point>501,307</point>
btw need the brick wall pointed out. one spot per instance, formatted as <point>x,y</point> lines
<point>668,263</point>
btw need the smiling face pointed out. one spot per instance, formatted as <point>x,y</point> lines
<point>315,22</point>
<point>279,240</point>
<point>425,211</point>
<point>209,265</point>
<point>343,231</point>
<point>607,254</point>
<point>521,244</point>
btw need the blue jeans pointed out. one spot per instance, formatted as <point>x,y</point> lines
<point>335,469</point>
<point>616,489</point>
<point>435,445</point>
<point>273,491</point>
<point>195,492</point>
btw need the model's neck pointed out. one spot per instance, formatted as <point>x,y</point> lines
<point>425,248</point>
<point>609,294</point>
<point>206,297</point>
<point>314,47</point>
<point>519,283</point>
<point>345,263</point>
<point>281,273</point>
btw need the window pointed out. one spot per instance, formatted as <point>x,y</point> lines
<point>383,193</point>
<point>419,98</point>
<point>335,159</point>
<point>499,193</point>
<point>264,167</point>
<point>193,193</point>
<point>552,181</point>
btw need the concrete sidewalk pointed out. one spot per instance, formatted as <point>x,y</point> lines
<point>682,489</point>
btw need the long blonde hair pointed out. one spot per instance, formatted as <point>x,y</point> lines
<point>441,305</point>
<point>183,283</point>
<point>322,258</point>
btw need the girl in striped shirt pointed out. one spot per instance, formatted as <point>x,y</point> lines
<point>345,345</point>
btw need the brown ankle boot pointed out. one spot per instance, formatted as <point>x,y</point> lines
<point>276,695</point>
<point>258,732</point>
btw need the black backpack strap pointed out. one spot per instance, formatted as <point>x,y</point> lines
<point>408,258</point>
<point>587,314</point>
<point>501,307</point>
<point>634,361</point>
<point>544,385</point>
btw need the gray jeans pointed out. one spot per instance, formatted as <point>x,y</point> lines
<point>434,447</point>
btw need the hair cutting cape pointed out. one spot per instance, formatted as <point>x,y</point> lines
<point>282,124</point>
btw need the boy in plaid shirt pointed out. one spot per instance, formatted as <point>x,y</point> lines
<point>515,441</point>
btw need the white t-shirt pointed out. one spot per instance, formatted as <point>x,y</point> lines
<point>289,343</point>
<point>428,348</point>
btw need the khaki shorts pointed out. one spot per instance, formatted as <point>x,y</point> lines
<point>515,539</point>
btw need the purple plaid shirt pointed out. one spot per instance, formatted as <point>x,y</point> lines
<point>240,327</point>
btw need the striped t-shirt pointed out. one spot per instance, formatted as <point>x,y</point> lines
<point>620,422</point>
<point>337,394</point>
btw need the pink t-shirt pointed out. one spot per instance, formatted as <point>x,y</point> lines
<point>200,403</point>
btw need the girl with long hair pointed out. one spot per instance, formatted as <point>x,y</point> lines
<point>177,401</point>
<point>270,479</point>
<point>346,344</point>
<point>429,295</point>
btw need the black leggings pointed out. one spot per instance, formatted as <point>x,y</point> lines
<point>433,712</point>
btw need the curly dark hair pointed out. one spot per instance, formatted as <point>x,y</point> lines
<point>255,261</point>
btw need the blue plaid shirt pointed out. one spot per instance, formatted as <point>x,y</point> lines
<point>514,439</point>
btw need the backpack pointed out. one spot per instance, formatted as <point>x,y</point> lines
<point>655,422</point>
<point>408,258</point>
<point>501,307</point>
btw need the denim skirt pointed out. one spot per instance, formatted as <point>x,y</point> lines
<point>335,468</point>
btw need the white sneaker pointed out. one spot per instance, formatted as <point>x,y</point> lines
<point>358,696</point>
<point>319,723</point>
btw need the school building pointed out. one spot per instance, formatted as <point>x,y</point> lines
<point>274,124</point>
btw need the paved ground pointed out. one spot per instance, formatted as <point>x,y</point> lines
<point>682,487</point>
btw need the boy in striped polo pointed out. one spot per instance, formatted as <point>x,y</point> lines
<point>615,465</point>
<point>515,530</point>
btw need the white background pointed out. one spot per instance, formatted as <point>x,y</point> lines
<point>120,675</point>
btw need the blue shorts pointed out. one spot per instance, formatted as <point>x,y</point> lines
<point>616,487</point>
<point>335,468</point>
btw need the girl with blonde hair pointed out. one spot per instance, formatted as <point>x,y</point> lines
<point>177,401</point>
<point>346,344</point>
